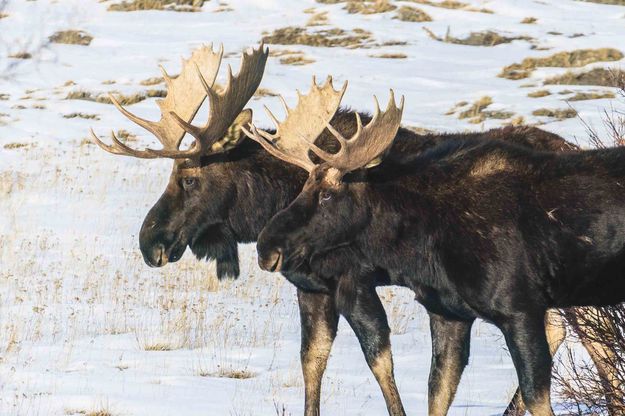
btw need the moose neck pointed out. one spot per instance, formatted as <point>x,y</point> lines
<point>263,186</point>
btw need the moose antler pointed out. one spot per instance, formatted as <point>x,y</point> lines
<point>369,142</point>
<point>302,126</point>
<point>296,135</point>
<point>187,93</point>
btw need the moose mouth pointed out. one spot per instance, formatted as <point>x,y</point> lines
<point>278,261</point>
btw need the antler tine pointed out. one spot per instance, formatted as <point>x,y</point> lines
<point>369,142</point>
<point>225,106</point>
<point>119,148</point>
<point>184,97</point>
<point>302,125</point>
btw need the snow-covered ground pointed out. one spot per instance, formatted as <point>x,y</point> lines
<point>86,326</point>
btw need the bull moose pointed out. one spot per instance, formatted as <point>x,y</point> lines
<point>476,228</point>
<point>217,183</point>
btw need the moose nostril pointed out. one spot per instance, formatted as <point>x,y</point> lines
<point>160,258</point>
<point>273,262</point>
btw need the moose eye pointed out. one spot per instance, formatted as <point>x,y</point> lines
<point>189,183</point>
<point>324,196</point>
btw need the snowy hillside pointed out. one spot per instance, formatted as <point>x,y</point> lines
<point>86,326</point>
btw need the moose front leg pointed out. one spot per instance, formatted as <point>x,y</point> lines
<point>319,320</point>
<point>361,306</point>
<point>450,354</point>
<point>527,342</point>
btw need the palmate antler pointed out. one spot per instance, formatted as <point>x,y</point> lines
<point>302,126</point>
<point>185,95</point>
<point>295,136</point>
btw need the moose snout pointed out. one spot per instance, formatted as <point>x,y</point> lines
<point>271,261</point>
<point>157,256</point>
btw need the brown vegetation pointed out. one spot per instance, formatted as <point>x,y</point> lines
<point>71,37</point>
<point>596,76</point>
<point>486,38</point>
<point>175,5</point>
<point>369,7</point>
<point>559,113</point>
<point>576,58</point>
<point>412,14</point>
<point>333,37</point>
<point>539,93</point>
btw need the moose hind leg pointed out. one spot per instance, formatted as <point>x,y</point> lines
<point>319,321</point>
<point>527,342</point>
<point>364,312</point>
<point>555,329</point>
<point>450,355</point>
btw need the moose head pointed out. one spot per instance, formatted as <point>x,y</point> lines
<point>328,211</point>
<point>199,191</point>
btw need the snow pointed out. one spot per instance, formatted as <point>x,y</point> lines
<point>85,325</point>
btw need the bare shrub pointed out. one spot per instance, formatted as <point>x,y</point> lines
<point>597,387</point>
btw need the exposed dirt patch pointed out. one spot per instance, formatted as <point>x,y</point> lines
<point>576,58</point>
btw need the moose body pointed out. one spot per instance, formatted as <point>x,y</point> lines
<point>477,229</point>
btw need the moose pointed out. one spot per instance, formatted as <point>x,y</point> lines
<point>476,228</point>
<point>222,178</point>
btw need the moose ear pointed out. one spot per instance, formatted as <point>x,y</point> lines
<point>235,134</point>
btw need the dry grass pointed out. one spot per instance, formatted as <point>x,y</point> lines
<point>82,115</point>
<point>598,76</point>
<point>229,373</point>
<point>576,58</point>
<point>3,15</point>
<point>21,55</point>
<point>123,99</point>
<point>15,146</point>
<point>318,19</point>
<point>152,81</point>
<point>559,113</point>
<point>592,95</point>
<point>71,37</point>
<point>477,112</point>
<point>390,56</point>
<point>611,2</point>
<point>486,38</point>
<point>296,60</point>
<point>4,97</point>
<point>175,5</point>
<point>451,4</point>
<point>264,92</point>
<point>529,20</point>
<point>539,93</point>
<point>329,38</point>
<point>412,14</point>
<point>369,7</point>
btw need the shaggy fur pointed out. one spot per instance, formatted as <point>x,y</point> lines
<point>212,204</point>
<point>477,228</point>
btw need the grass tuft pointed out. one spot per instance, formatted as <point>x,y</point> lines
<point>329,38</point>
<point>539,93</point>
<point>576,58</point>
<point>71,37</point>
<point>175,5</point>
<point>123,99</point>
<point>452,4</point>
<point>369,7</point>
<point>559,113</point>
<point>597,76</point>
<point>390,56</point>
<point>486,38</point>
<point>529,20</point>
<point>592,95</point>
<point>21,55</point>
<point>412,14</point>
<point>82,115</point>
